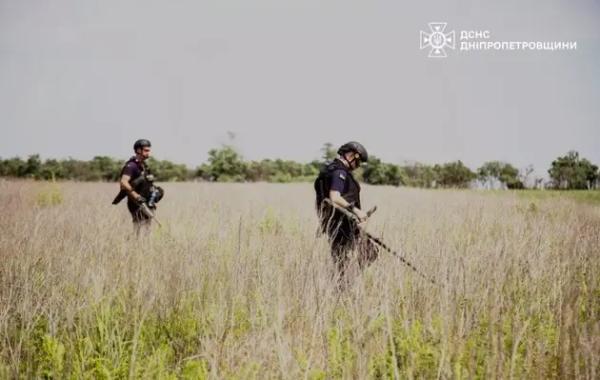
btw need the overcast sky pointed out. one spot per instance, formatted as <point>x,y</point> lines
<point>85,78</point>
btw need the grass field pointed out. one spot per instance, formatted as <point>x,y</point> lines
<point>235,285</point>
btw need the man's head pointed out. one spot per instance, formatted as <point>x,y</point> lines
<point>354,153</point>
<point>142,148</point>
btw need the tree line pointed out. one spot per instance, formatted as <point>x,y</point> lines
<point>225,164</point>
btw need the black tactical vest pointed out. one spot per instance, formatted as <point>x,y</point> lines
<point>139,183</point>
<point>351,192</point>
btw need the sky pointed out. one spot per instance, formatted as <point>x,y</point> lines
<point>86,78</point>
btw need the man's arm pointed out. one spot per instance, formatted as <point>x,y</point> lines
<point>126,186</point>
<point>338,183</point>
<point>336,197</point>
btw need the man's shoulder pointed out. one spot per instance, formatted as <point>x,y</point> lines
<point>131,167</point>
<point>133,162</point>
<point>336,165</point>
<point>333,169</point>
<point>339,173</point>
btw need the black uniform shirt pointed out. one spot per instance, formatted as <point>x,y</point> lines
<point>133,168</point>
<point>336,176</point>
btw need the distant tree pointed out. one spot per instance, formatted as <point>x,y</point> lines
<point>52,170</point>
<point>203,172</point>
<point>280,170</point>
<point>573,172</point>
<point>165,170</point>
<point>453,174</point>
<point>259,170</point>
<point>500,171</point>
<point>226,164</point>
<point>311,169</point>
<point>76,170</point>
<point>104,168</point>
<point>12,167</point>
<point>328,152</point>
<point>32,166</point>
<point>419,175</point>
<point>395,175</point>
<point>376,172</point>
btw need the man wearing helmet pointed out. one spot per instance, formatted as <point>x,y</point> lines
<point>137,184</point>
<point>336,183</point>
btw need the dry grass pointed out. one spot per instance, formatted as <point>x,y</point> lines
<point>236,286</point>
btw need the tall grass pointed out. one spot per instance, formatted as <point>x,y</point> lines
<point>235,285</point>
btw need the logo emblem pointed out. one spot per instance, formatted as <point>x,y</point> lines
<point>437,40</point>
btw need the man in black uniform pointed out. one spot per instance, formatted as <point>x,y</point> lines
<point>336,183</point>
<point>137,184</point>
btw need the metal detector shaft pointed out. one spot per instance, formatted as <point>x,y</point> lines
<point>146,211</point>
<point>402,259</point>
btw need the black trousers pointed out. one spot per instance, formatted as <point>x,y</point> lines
<point>344,237</point>
<point>136,214</point>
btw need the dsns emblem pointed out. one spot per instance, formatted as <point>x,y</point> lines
<point>437,40</point>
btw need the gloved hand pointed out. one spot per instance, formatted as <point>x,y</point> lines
<point>361,215</point>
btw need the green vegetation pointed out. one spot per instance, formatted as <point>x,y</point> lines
<point>227,165</point>
<point>573,172</point>
<point>500,171</point>
<point>113,340</point>
<point>453,174</point>
<point>584,196</point>
<point>50,195</point>
<point>100,168</point>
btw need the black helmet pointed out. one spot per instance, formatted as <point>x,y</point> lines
<point>356,147</point>
<point>141,143</point>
